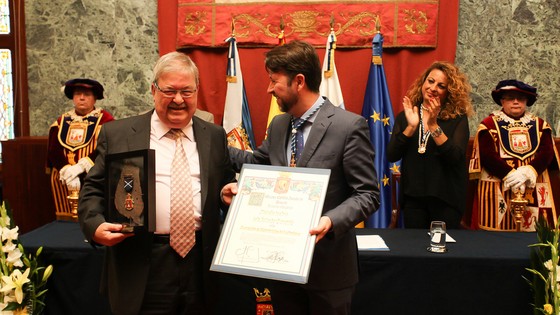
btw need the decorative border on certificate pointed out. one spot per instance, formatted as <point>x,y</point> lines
<point>130,190</point>
<point>266,232</point>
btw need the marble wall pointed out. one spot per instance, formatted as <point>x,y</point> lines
<point>115,41</point>
<point>112,41</point>
<point>511,39</point>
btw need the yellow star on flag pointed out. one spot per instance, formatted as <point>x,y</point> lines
<point>375,116</point>
<point>385,180</point>
<point>385,121</point>
<point>395,168</point>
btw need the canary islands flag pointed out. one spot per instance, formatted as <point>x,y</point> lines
<point>237,118</point>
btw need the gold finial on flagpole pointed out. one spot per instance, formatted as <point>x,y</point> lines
<point>281,40</point>
<point>330,50</point>
<point>230,76</point>
<point>377,44</point>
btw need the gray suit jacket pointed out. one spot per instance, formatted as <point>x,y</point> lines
<point>339,141</point>
<point>204,115</point>
<point>127,263</point>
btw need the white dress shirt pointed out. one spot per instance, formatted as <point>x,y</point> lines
<point>306,127</point>
<point>164,145</point>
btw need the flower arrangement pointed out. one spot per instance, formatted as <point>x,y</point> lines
<point>546,272</point>
<point>23,279</point>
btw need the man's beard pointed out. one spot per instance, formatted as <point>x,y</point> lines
<point>286,103</point>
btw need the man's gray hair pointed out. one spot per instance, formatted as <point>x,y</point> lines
<point>175,62</point>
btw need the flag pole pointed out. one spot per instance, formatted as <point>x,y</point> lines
<point>378,111</point>
<point>237,118</point>
<point>274,110</point>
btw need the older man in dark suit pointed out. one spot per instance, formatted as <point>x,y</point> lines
<point>163,272</point>
<point>332,139</point>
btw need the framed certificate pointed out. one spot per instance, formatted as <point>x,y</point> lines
<point>130,191</point>
<point>266,232</point>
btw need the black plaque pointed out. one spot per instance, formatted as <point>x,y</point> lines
<point>130,191</point>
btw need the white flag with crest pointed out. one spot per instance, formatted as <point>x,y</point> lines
<point>330,87</point>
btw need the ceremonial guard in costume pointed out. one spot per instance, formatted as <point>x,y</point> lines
<point>513,154</point>
<point>73,139</point>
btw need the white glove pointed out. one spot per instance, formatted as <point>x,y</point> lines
<point>73,184</point>
<point>86,163</point>
<point>514,179</point>
<point>530,174</point>
<point>69,172</point>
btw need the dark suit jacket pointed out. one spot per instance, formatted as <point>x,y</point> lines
<point>339,141</point>
<point>127,263</point>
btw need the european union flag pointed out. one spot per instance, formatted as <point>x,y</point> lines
<point>378,111</point>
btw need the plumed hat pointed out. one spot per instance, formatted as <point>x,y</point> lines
<point>93,85</point>
<point>514,85</point>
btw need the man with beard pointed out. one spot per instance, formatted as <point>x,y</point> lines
<point>331,138</point>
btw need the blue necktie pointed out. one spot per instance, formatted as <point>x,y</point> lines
<point>299,137</point>
<point>296,139</point>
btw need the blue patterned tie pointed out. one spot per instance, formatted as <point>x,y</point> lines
<point>299,137</point>
<point>296,139</point>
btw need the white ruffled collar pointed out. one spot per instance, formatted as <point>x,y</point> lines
<point>525,119</point>
<point>95,113</point>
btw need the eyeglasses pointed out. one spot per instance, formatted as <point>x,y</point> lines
<point>172,93</point>
<point>510,98</point>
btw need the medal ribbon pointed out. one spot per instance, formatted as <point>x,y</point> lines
<point>423,135</point>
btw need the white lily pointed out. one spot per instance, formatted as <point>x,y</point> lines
<point>8,247</point>
<point>10,234</point>
<point>16,281</point>
<point>14,258</point>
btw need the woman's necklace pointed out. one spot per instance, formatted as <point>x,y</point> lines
<point>423,135</point>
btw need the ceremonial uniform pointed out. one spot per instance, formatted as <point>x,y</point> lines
<point>72,137</point>
<point>502,145</point>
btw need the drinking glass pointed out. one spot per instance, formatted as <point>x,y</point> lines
<point>437,237</point>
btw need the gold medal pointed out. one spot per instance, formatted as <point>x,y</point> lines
<point>293,160</point>
<point>129,202</point>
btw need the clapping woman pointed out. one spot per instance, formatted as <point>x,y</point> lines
<point>430,136</point>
